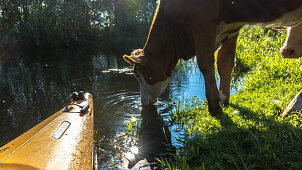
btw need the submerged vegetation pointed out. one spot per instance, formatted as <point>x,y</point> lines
<point>250,134</point>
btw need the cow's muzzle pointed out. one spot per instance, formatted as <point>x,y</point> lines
<point>147,102</point>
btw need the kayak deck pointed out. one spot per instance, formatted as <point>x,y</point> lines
<point>62,141</point>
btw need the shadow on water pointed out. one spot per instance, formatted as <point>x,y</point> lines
<point>155,139</point>
<point>147,139</point>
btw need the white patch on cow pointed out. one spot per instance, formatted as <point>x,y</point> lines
<point>289,19</point>
<point>150,92</point>
<point>222,97</point>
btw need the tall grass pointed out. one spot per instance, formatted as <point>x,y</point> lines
<point>250,134</point>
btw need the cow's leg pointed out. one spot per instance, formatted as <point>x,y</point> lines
<point>205,61</point>
<point>225,64</point>
<point>206,66</point>
<point>205,42</point>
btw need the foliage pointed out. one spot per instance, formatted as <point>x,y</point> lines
<point>72,23</point>
<point>250,134</point>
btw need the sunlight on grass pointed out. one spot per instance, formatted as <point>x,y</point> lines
<point>250,134</point>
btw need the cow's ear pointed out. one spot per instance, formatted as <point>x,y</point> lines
<point>132,60</point>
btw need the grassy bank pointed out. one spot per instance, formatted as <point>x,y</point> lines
<point>250,134</point>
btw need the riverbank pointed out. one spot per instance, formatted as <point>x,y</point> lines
<point>250,134</point>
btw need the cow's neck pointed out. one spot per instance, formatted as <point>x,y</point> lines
<point>168,40</point>
<point>160,46</point>
<point>161,55</point>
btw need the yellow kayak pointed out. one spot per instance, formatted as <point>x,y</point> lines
<point>62,141</point>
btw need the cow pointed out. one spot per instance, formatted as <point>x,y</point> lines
<point>292,48</point>
<point>182,29</point>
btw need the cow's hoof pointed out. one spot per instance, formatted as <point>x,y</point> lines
<point>225,103</point>
<point>215,111</point>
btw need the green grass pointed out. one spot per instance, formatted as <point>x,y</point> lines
<point>250,134</point>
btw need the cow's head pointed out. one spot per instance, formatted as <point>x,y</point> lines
<point>151,75</point>
<point>292,48</point>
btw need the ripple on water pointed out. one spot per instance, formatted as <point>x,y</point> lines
<point>124,103</point>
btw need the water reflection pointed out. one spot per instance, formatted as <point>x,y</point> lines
<point>155,139</point>
<point>33,86</point>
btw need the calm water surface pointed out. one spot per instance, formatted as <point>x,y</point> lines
<point>34,86</point>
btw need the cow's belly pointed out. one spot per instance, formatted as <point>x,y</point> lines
<point>287,20</point>
<point>225,31</point>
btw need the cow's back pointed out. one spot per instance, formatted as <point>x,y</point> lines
<point>255,11</point>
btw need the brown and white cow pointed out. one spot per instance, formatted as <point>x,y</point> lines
<point>182,29</point>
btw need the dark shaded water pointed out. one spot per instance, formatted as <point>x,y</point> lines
<point>34,86</point>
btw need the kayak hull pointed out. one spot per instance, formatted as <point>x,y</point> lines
<point>63,141</point>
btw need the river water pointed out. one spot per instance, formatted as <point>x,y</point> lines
<point>34,86</point>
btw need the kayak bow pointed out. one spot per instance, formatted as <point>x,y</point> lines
<point>62,141</point>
